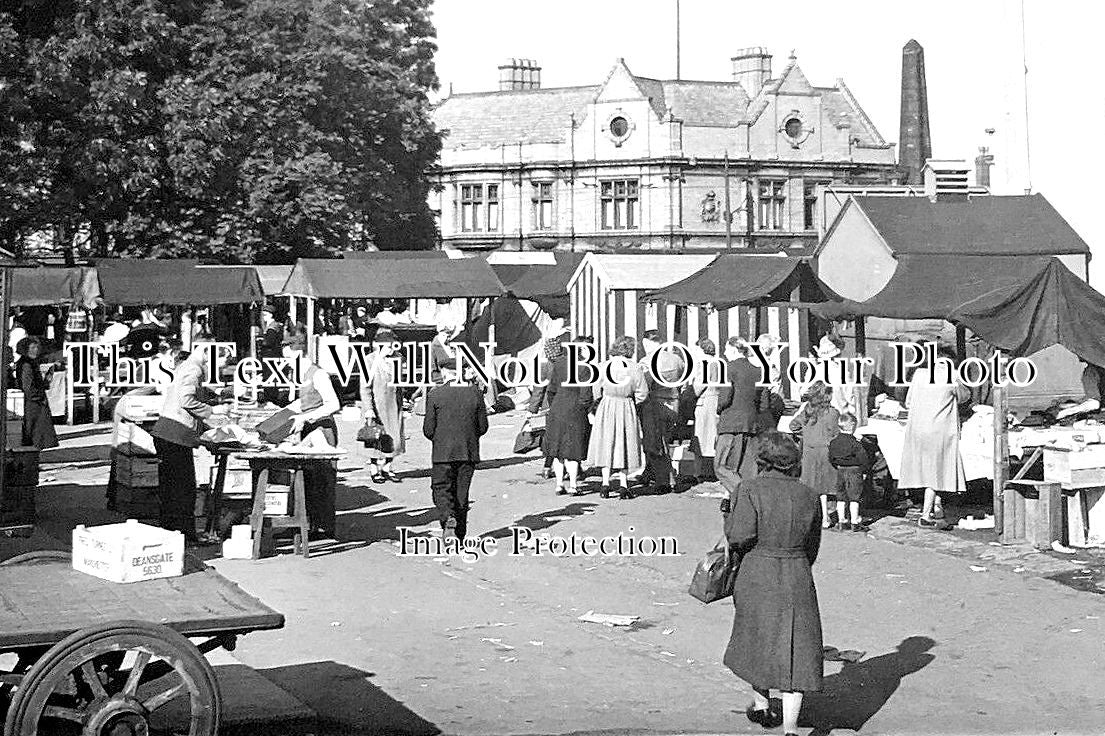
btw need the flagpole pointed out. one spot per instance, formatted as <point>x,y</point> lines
<point>678,70</point>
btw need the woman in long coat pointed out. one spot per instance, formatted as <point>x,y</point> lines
<point>568,427</point>
<point>616,436</point>
<point>380,402</point>
<point>38,425</point>
<point>930,452</point>
<point>775,523</point>
<point>819,424</point>
<point>705,408</point>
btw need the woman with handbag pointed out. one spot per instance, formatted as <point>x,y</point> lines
<point>568,426</point>
<point>382,433</point>
<point>775,524</point>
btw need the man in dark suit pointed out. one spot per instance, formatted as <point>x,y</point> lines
<point>456,418</point>
<point>738,422</point>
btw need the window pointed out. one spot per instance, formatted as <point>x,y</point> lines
<point>471,202</point>
<point>793,128</point>
<point>473,215</point>
<point>619,127</point>
<point>809,205</point>
<point>542,205</point>
<point>492,207</point>
<point>619,204</point>
<point>773,201</point>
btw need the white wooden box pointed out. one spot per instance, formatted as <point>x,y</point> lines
<point>15,401</point>
<point>128,552</point>
<point>1072,469</point>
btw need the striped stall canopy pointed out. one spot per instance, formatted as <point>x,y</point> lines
<point>615,295</point>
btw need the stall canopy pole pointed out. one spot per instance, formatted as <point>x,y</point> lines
<point>5,297</point>
<point>861,335</point>
<point>1001,456</point>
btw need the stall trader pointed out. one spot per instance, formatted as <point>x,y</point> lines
<point>1093,383</point>
<point>185,406</point>
<point>315,409</point>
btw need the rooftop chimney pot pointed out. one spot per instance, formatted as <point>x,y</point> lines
<point>752,68</point>
<point>519,74</point>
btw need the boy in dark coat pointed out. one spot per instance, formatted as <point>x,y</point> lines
<point>851,462</point>
<point>456,418</point>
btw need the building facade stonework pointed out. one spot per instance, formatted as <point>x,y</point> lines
<point>637,163</point>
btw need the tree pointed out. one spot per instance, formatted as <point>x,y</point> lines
<point>243,130</point>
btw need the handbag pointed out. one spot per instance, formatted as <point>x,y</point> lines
<point>716,574</point>
<point>372,434</point>
<point>528,439</point>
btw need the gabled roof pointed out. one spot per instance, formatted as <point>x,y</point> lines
<point>982,226</point>
<point>643,270</point>
<point>488,119</point>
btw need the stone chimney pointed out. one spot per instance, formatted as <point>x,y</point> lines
<point>519,74</point>
<point>914,143</point>
<point>752,68</point>
<point>946,181</point>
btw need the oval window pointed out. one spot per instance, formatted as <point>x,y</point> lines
<point>793,128</point>
<point>619,127</point>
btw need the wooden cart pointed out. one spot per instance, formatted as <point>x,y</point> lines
<point>83,656</point>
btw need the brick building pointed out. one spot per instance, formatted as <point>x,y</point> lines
<point>640,163</point>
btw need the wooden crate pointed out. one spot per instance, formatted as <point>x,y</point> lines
<point>1083,468</point>
<point>135,470</point>
<point>1032,513</point>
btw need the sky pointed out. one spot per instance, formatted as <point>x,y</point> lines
<point>973,63</point>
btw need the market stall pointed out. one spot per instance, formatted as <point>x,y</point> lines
<point>387,276</point>
<point>1020,306</point>
<point>746,295</point>
<point>606,296</point>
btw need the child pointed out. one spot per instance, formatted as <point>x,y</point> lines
<point>818,422</point>
<point>851,462</point>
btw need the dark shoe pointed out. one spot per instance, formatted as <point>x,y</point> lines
<point>393,477</point>
<point>661,490</point>
<point>860,528</point>
<point>625,494</point>
<point>928,523</point>
<point>771,717</point>
<point>545,473</point>
<point>577,491</point>
<point>604,492</point>
<point>378,477</point>
<point>561,492</point>
<point>844,526</point>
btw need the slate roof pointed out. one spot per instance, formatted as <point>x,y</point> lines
<point>487,119</point>
<point>994,225</point>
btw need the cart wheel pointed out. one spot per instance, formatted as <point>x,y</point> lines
<point>39,557</point>
<point>127,678</point>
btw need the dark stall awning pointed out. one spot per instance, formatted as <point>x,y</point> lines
<point>129,282</point>
<point>742,279</point>
<point>393,278</point>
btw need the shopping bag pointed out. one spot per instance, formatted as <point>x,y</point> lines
<point>373,436</point>
<point>715,575</point>
<point>528,439</point>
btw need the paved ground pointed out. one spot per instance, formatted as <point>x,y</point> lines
<point>382,643</point>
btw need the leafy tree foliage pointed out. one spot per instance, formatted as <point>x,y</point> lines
<point>243,130</point>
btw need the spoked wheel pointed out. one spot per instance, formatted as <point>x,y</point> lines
<point>127,678</point>
<point>39,557</point>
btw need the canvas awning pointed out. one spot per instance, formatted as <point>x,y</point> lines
<point>36,287</point>
<point>273,278</point>
<point>734,279</point>
<point>547,285</point>
<point>182,281</point>
<point>929,287</point>
<point>393,278</point>
<point>1053,307</point>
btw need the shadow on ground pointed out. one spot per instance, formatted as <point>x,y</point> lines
<point>850,698</point>
<point>346,702</point>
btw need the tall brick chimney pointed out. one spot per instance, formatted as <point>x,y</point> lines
<point>752,68</point>
<point>519,74</point>
<point>914,143</point>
